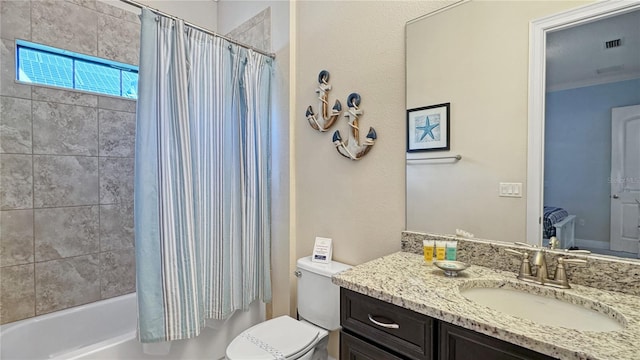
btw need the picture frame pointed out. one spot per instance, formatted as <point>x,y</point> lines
<point>428,128</point>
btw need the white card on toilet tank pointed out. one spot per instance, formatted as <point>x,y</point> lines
<point>322,250</point>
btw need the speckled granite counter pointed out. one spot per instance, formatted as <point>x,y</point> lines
<point>602,272</point>
<point>405,280</point>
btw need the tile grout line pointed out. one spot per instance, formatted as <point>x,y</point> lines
<point>81,92</point>
<point>66,155</point>
<point>33,178</point>
<point>61,207</point>
<point>99,199</point>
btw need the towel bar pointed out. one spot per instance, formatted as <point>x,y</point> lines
<point>453,157</point>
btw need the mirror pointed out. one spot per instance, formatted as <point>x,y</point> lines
<point>482,69</point>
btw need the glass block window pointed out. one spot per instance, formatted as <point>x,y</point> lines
<point>39,64</point>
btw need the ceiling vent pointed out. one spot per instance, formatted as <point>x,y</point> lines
<point>612,44</point>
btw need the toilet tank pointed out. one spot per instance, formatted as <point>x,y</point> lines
<point>318,297</point>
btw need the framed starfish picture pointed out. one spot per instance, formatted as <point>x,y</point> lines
<point>428,128</point>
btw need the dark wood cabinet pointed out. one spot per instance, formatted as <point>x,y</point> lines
<point>457,343</point>
<point>403,332</point>
<point>353,348</point>
<point>376,330</point>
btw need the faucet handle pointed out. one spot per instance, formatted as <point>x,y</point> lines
<point>525,266</point>
<point>514,252</point>
<point>525,244</point>
<point>577,251</point>
<point>571,261</point>
<point>560,277</point>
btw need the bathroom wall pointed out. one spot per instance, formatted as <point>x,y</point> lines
<point>579,165</point>
<point>360,204</point>
<point>66,166</point>
<point>265,25</point>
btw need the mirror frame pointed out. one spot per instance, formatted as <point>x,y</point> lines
<point>537,93</point>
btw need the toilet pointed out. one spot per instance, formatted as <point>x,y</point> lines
<point>285,338</point>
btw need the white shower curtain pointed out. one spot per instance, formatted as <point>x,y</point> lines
<point>202,219</point>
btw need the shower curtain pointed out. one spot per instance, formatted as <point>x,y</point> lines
<point>202,218</point>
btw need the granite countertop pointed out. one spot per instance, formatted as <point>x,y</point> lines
<point>405,280</point>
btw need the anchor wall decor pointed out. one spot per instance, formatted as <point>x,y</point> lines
<point>351,148</point>
<point>323,121</point>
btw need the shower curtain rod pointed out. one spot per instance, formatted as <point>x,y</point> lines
<point>142,6</point>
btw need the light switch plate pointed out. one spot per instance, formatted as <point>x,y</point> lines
<point>510,189</point>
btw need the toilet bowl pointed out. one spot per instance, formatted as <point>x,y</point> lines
<point>285,338</point>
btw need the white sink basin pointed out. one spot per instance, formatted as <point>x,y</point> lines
<point>543,306</point>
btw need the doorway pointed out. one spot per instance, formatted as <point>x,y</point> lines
<point>625,179</point>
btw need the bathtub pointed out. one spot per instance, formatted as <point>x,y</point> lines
<point>107,330</point>
<point>63,334</point>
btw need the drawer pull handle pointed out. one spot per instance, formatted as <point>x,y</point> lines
<point>388,326</point>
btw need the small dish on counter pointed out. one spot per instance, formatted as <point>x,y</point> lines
<point>451,268</point>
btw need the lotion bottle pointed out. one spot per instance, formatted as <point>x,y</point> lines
<point>452,249</point>
<point>427,247</point>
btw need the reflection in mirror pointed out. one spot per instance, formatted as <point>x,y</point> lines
<point>460,56</point>
<point>592,135</point>
<point>591,186</point>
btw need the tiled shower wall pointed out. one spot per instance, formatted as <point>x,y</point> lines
<point>66,165</point>
<point>255,32</point>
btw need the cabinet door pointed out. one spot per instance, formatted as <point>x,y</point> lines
<point>352,348</point>
<point>461,344</point>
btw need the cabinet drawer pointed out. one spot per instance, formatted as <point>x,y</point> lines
<point>402,331</point>
<point>353,348</point>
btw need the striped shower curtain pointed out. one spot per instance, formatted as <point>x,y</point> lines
<point>202,219</point>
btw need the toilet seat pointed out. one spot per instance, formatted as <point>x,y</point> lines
<point>280,338</point>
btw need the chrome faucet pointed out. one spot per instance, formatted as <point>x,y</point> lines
<point>541,275</point>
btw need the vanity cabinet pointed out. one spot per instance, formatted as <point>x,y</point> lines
<point>396,332</point>
<point>374,330</point>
